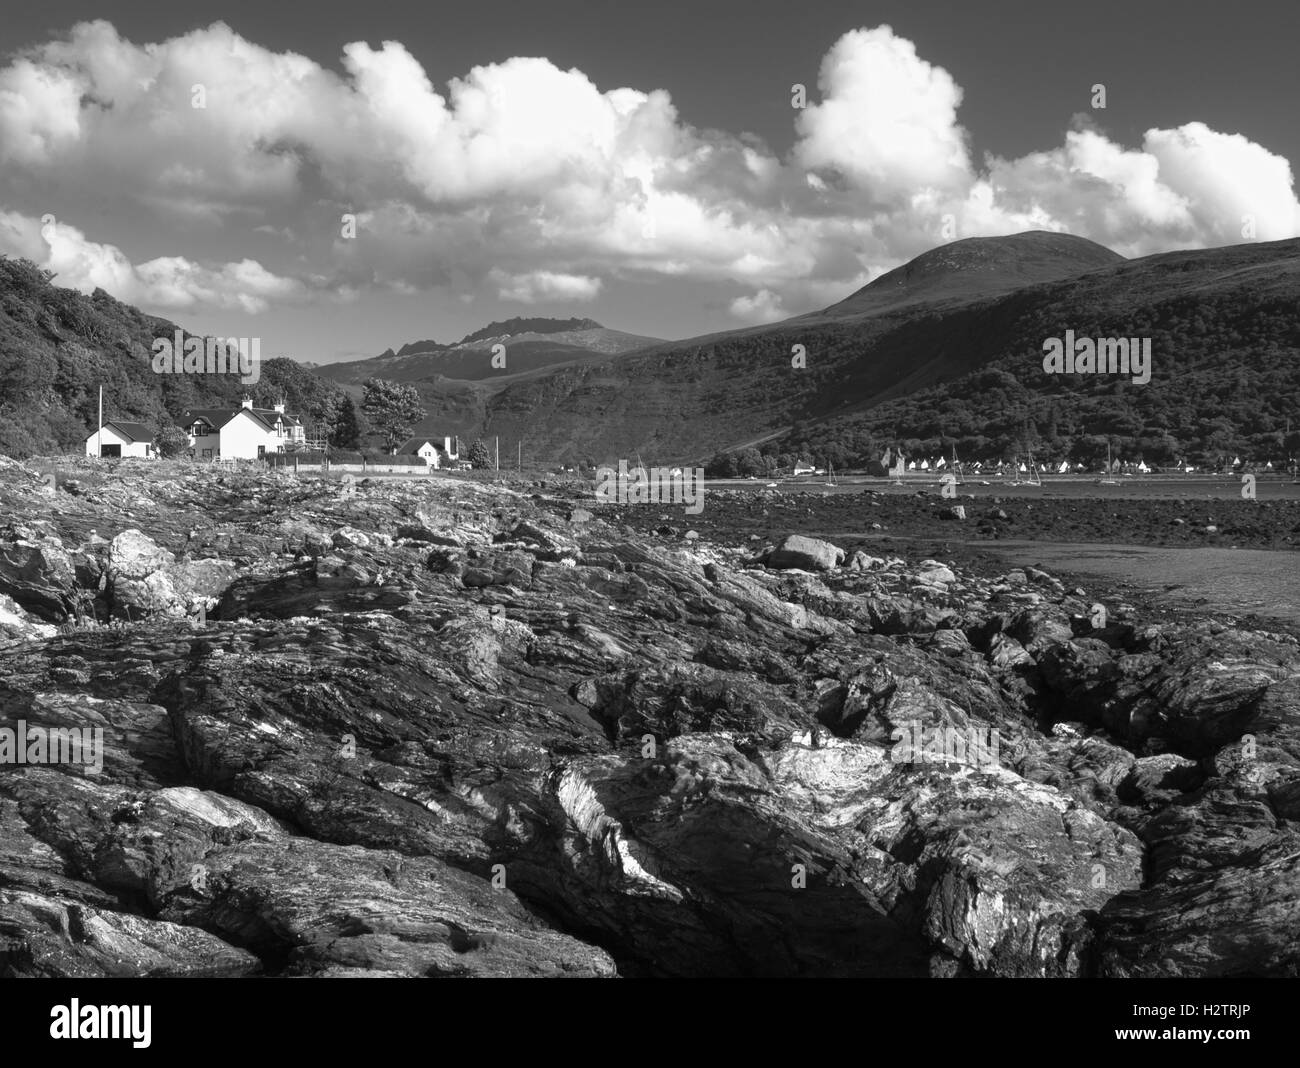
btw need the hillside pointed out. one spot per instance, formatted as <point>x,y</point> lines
<point>57,347</point>
<point>1225,325</point>
<point>530,344</point>
<point>1225,380</point>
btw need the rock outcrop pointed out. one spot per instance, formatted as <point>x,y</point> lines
<point>440,729</point>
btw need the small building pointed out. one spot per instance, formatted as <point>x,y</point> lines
<point>117,438</point>
<point>243,433</point>
<point>430,451</point>
<point>802,468</point>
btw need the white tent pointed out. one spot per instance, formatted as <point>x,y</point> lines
<point>925,465</point>
<point>912,466</point>
<point>940,464</point>
<point>1142,467</point>
<point>1064,468</point>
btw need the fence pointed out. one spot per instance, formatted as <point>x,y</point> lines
<point>347,463</point>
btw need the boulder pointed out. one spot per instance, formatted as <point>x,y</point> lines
<point>350,538</point>
<point>808,554</point>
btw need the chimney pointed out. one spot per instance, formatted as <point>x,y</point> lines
<point>248,403</point>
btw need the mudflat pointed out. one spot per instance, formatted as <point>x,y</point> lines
<point>1233,581</point>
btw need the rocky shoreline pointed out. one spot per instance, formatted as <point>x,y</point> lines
<point>440,728</point>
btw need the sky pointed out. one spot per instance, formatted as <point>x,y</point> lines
<point>342,178</point>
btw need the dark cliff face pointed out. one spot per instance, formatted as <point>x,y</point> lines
<point>451,729</point>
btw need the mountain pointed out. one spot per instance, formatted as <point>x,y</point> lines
<point>976,268</point>
<point>1224,328</point>
<point>530,326</point>
<point>942,349</point>
<point>529,343</point>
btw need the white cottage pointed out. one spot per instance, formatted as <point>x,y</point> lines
<point>243,433</point>
<point>430,451</point>
<point>117,438</point>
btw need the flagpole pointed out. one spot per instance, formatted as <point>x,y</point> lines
<point>99,428</point>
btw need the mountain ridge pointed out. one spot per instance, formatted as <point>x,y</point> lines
<point>530,344</point>
<point>669,400</point>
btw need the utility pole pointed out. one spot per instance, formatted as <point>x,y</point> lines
<point>520,467</point>
<point>497,450</point>
<point>99,429</point>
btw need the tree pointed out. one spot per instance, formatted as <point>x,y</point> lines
<point>171,441</point>
<point>304,393</point>
<point>749,462</point>
<point>347,431</point>
<point>479,457</point>
<point>392,408</point>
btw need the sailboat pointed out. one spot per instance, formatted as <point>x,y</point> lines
<point>1032,477</point>
<point>956,468</point>
<point>1108,481</point>
<point>830,477</point>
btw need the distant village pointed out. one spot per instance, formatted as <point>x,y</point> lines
<point>894,463</point>
<point>247,432</point>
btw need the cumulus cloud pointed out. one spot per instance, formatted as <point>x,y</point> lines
<point>530,183</point>
<point>545,286</point>
<point>887,120</point>
<point>168,283</point>
<point>761,307</point>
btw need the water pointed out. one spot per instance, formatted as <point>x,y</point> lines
<point>1174,487</point>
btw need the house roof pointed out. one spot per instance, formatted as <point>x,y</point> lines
<point>412,446</point>
<point>219,417</point>
<point>130,431</point>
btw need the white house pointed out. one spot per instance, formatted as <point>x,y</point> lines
<point>433,454</point>
<point>801,468</point>
<point>117,438</point>
<point>243,433</point>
